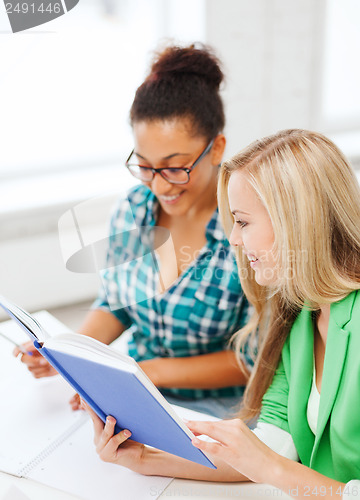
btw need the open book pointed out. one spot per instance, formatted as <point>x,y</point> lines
<point>112,384</point>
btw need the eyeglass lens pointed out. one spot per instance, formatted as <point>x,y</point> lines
<point>174,175</point>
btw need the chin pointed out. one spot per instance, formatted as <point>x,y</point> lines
<point>264,281</point>
<point>175,210</point>
<point>260,282</point>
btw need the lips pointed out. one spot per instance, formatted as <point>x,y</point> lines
<point>170,199</point>
<point>251,258</point>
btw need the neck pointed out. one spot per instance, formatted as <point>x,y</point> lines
<point>323,321</point>
<point>202,207</point>
<point>207,203</point>
<point>325,311</point>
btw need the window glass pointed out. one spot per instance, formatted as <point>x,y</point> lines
<point>341,81</point>
<point>66,87</point>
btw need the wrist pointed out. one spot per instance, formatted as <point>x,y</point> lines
<point>151,462</point>
<point>271,470</point>
<point>277,470</point>
<point>150,367</point>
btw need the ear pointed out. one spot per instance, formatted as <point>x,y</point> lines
<point>217,151</point>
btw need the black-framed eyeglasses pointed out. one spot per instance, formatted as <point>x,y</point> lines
<point>174,175</point>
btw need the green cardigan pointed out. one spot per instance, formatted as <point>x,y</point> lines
<point>335,450</point>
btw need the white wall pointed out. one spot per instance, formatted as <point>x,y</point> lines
<point>272,50</point>
<point>33,267</point>
<point>33,254</point>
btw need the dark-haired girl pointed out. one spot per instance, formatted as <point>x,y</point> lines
<point>182,298</point>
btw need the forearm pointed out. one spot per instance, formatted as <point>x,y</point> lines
<point>102,326</point>
<point>234,443</point>
<point>208,371</point>
<point>159,463</point>
<point>300,481</point>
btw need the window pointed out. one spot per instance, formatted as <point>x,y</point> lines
<point>341,80</point>
<point>65,92</point>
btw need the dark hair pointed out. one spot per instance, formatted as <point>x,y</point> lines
<point>183,83</point>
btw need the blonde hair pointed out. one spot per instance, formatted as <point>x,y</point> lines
<point>313,199</point>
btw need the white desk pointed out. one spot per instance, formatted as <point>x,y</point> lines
<point>179,488</point>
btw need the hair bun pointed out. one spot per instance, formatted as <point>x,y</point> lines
<point>175,62</point>
<point>183,82</point>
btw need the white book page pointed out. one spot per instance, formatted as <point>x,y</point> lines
<point>29,322</point>
<point>76,468</point>
<point>91,349</point>
<point>33,412</point>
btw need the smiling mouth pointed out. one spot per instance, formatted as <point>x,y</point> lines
<point>170,198</point>
<point>252,258</point>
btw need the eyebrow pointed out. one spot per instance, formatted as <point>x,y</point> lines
<point>239,212</point>
<point>169,157</point>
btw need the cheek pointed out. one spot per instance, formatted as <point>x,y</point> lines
<point>259,240</point>
<point>252,238</point>
<point>193,187</point>
<point>266,233</point>
<point>201,177</point>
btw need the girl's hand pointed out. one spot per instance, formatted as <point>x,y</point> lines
<point>237,446</point>
<point>75,402</point>
<point>115,448</point>
<point>36,363</point>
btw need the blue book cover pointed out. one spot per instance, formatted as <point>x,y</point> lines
<point>112,384</point>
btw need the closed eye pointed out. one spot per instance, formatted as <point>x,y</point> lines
<point>241,223</point>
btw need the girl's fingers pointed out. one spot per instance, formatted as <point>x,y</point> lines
<point>36,370</point>
<point>109,439</point>
<point>75,399</point>
<point>109,451</point>
<point>86,407</point>
<point>212,449</point>
<point>42,371</point>
<point>210,429</point>
<point>17,351</point>
<point>97,422</point>
<point>223,431</point>
<point>104,434</point>
<point>26,346</point>
<point>34,361</point>
<point>75,402</point>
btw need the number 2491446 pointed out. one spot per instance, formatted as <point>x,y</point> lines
<point>31,8</point>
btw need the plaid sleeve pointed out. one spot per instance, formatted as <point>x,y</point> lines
<point>121,220</point>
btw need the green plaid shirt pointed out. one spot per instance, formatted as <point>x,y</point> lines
<point>196,315</point>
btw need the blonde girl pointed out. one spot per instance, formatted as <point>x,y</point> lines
<point>290,205</point>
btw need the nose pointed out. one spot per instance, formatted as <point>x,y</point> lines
<point>235,238</point>
<point>159,185</point>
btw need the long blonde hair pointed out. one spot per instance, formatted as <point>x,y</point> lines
<point>313,199</point>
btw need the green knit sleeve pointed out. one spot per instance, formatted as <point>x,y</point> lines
<point>274,408</point>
